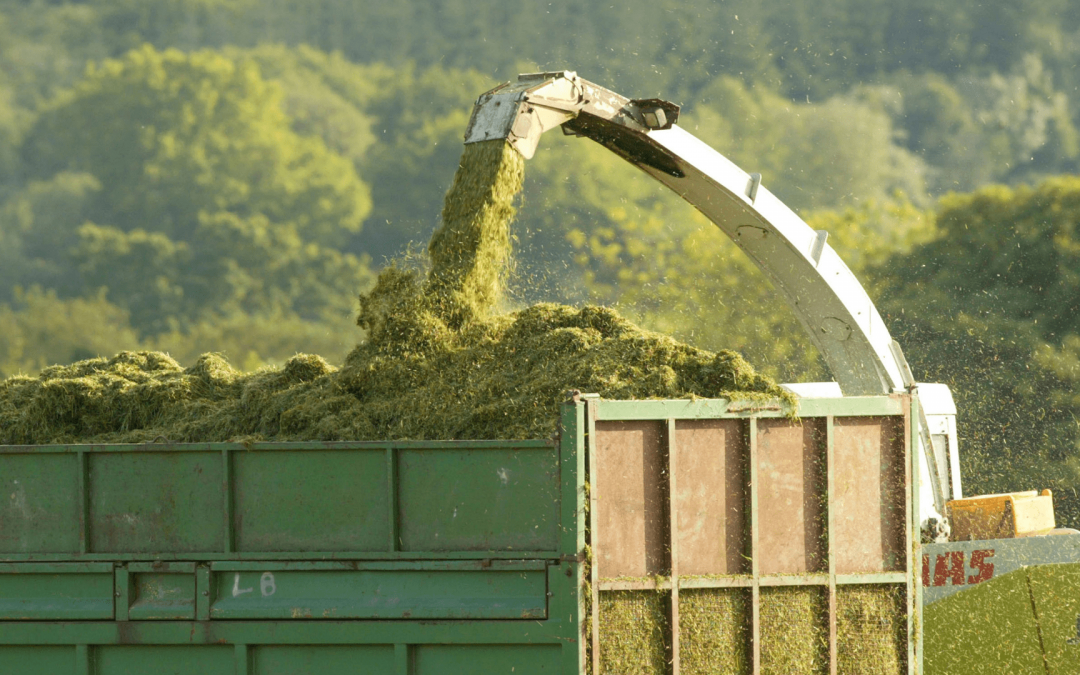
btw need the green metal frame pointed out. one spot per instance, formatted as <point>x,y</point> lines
<point>560,568</point>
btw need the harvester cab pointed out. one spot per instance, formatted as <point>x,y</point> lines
<point>829,301</point>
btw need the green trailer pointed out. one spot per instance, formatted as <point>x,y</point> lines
<point>682,536</point>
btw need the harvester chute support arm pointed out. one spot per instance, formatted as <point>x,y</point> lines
<point>829,301</point>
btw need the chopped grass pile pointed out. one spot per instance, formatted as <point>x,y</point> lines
<point>438,362</point>
<point>794,630</point>
<point>714,631</point>
<point>634,632</point>
<point>871,634</point>
<point>502,379</point>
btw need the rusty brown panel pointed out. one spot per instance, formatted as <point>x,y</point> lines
<point>868,494</point>
<point>710,497</point>
<point>631,499</point>
<point>791,496</point>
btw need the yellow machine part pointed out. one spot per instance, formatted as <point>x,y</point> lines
<point>1002,516</point>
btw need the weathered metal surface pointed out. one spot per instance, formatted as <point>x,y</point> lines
<point>166,593</point>
<point>146,502</point>
<point>631,489</point>
<point>450,500</point>
<point>868,500</point>
<point>380,594</point>
<point>327,500</point>
<point>39,508</point>
<point>952,567</point>
<point>711,497</point>
<point>791,490</point>
<point>56,592</point>
<point>163,502</point>
<point>451,557</point>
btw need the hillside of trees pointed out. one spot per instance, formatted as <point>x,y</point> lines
<point>228,175</point>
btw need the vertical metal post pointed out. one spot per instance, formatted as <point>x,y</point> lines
<point>830,470</point>
<point>755,572</point>
<point>82,660</point>
<point>913,538</point>
<point>392,499</point>
<point>84,502</point>
<point>594,577</point>
<point>122,592</point>
<point>572,519</point>
<point>242,659</point>
<point>673,528</point>
<point>202,593</point>
<point>227,500</point>
<point>401,659</point>
<point>572,478</point>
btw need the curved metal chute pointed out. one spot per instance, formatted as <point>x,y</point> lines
<point>825,295</point>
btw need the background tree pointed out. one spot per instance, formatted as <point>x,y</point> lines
<point>213,204</point>
<point>990,307</point>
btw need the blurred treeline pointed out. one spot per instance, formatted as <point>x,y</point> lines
<point>227,175</point>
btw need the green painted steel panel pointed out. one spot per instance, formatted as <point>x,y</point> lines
<point>381,565</point>
<point>163,660</point>
<point>311,500</point>
<point>39,506</point>
<point>332,509</point>
<point>469,500</point>
<point>162,596</point>
<point>485,659</point>
<point>1055,590</point>
<point>156,501</point>
<point>987,628</point>
<point>37,660</point>
<point>555,630</point>
<point>53,596</point>
<point>380,595</point>
<point>323,660</point>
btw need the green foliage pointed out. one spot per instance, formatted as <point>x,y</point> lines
<point>691,281</point>
<point>575,188</point>
<point>38,225</point>
<point>812,155</point>
<point>213,206</point>
<point>420,116</point>
<point>176,134</point>
<point>401,127</point>
<point>997,127</point>
<point>324,95</point>
<point>142,268</point>
<point>40,329</point>
<point>45,46</point>
<point>8,139</point>
<point>253,341</point>
<point>990,307</point>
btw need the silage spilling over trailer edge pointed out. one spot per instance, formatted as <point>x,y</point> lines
<point>438,363</point>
